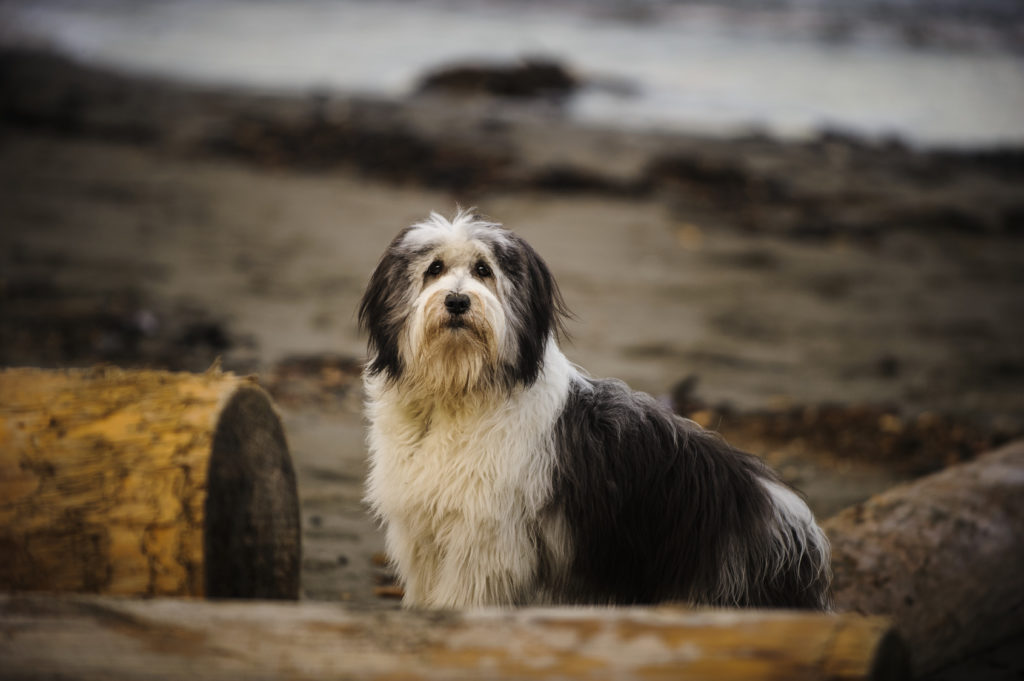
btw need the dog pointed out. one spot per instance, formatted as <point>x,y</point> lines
<point>504,475</point>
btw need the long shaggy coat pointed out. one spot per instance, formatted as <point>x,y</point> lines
<point>505,475</point>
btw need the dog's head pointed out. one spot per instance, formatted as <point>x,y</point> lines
<point>460,305</point>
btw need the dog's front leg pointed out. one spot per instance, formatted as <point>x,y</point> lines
<point>484,565</point>
<point>416,558</point>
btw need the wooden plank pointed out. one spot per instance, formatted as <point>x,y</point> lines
<point>91,637</point>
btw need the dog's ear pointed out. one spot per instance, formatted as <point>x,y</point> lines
<point>540,310</point>
<point>381,312</point>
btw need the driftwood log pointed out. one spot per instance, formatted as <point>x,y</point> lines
<point>943,556</point>
<point>145,483</point>
<point>91,637</point>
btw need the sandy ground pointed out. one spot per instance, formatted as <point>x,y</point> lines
<point>116,249</point>
<point>281,260</point>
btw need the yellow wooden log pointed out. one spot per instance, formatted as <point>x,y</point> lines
<point>112,639</point>
<point>144,483</point>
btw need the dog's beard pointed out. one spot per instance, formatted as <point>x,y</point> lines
<point>452,356</point>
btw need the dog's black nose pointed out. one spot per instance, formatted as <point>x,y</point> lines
<point>456,303</point>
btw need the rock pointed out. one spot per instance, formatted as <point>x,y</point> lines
<point>528,79</point>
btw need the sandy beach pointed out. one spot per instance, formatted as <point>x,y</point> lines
<point>850,311</point>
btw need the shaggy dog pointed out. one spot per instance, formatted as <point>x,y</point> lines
<point>505,475</point>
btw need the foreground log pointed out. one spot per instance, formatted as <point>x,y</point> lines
<point>145,483</point>
<point>110,639</point>
<point>943,556</point>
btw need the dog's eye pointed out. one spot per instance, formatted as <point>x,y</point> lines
<point>435,268</point>
<point>483,270</point>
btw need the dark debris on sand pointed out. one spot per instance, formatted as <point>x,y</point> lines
<point>834,185</point>
<point>322,381</point>
<point>907,444</point>
<point>43,324</point>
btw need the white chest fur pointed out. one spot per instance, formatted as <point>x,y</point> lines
<point>460,489</point>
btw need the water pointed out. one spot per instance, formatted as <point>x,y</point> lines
<point>930,77</point>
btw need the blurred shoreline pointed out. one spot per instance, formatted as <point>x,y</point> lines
<point>931,73</point>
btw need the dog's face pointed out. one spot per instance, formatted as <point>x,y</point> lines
<point>458,306</point>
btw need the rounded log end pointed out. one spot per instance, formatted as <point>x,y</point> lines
<point>891,659</point>
<point>251,529</point>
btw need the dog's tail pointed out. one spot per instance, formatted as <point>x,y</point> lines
<point>800,558</point>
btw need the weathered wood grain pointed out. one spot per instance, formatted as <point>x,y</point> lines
<point>144,483</point>
<point>943,556</point>
<point>105,638</point>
